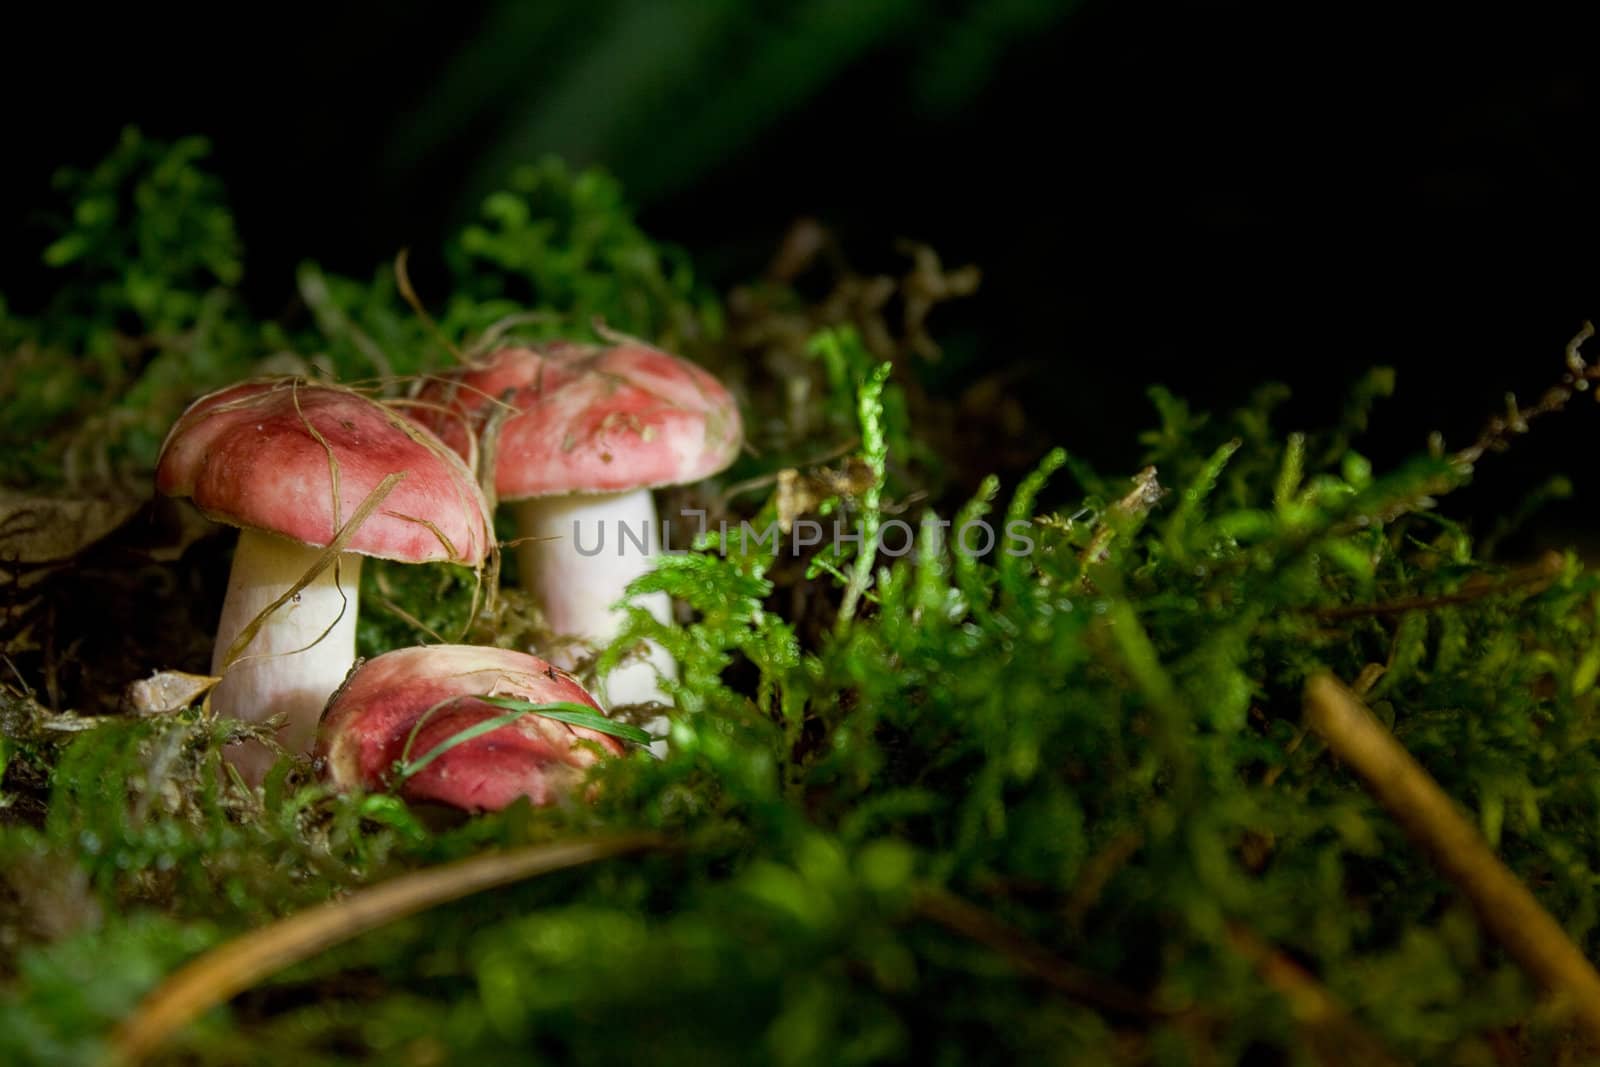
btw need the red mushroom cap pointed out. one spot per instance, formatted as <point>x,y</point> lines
<point>369,720</point>
<point>589,418</point>
<point>261,454</point>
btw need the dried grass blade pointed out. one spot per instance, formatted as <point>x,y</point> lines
<point>1506,908</point>
<point>235,966</point>
<point>324,559</point>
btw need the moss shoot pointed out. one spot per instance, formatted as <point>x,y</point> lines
<point>1046,796</point>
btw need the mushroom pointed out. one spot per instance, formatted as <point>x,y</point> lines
<point>593,429</point>
<point>403,705</point>
<point>298,465</point>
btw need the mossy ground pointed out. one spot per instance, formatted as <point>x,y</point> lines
<point>939,807</point>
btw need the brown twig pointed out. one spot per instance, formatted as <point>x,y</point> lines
<point>1533,578</point>
<point>1496,436</point>
<point>1098,872</point>
<point>1504,905</point>
<point>1333,1033</point>
<point>328,557</point>
<point>761,481</point>
<point>235,966</point>
<point>487,460</point>
<point>1498,432</point>
<point>402,278</point>
<point>1027,956</point>
<point>406,617</point>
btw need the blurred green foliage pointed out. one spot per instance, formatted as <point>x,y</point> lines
<point>148,315</point>
<point>1007,806</point>
<point>150,236</point>
<point>565,243</point>
<point>662,89</point>
<point>146,308</point>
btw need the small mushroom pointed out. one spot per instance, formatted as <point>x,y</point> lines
<point>403,705</point>
<point>291,463</point>
<point>593,430</point>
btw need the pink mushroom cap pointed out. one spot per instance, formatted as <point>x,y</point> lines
<point>258,454</point>
<point>589,418</point>
<point>371,718</point>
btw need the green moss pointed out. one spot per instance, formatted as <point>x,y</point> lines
<point>939,805</point>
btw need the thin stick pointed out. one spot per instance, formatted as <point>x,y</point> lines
<point>1497,435</point>
<point>1499,431</point>
<point>1506,908</point>
<point>325,559</point>
<point>1335,1036</point>
<point>1533,578</point>
<point>402,278</point>
<point>1026,955</point>
<point>235,966</point>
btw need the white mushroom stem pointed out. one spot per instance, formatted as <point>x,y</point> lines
<point>301,652</point>
<point>576,557</point>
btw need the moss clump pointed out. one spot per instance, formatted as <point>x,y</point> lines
<point>1048,798</point>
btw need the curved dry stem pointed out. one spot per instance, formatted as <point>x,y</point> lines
<point>468,431</point>
<point>333,459</point>
<point>231,968</point>
<point>455,385</point>
<point>1506,908</point>
<point>485,574</point>
<point>500,327</point>
<point>313,289</point>
<point>486,450</point>
<point>432,527</point>
<point>1028,956</point>
<point>236,655</point>
<point>445,455</point>
<point>1332,1034</point>
<point>1532,579</point>
<point>607,332</point>
<point>403,280</point>
<point>431,441</point>
<point>324,558</point>
<point>1500,430</point>
<point>409,619</point>
<point>1575,360</point>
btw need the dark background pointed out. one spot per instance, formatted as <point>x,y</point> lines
<point>1202,194</point>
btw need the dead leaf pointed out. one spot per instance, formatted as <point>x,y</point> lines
<point>165,692</point>
<point>46,529</point>
<point>798,494</point>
